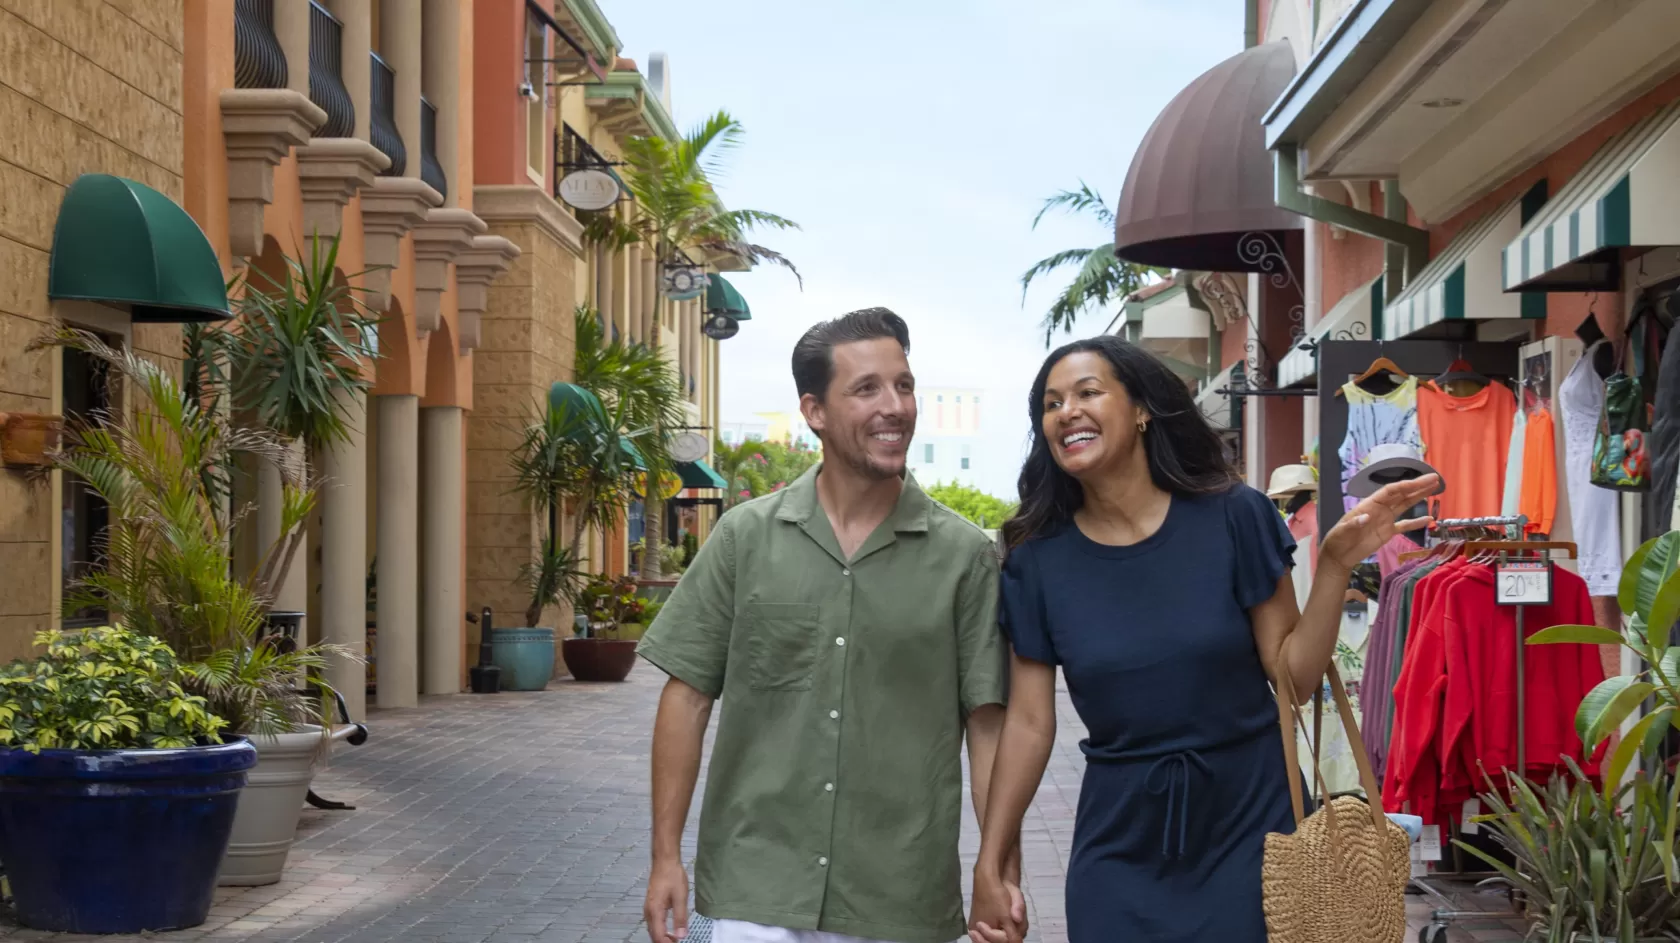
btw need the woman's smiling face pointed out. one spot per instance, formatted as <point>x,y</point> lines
<point>1089,419</point>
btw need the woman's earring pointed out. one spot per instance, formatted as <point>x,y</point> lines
<point>1143,425</point>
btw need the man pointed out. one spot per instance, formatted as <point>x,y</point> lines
<point>849,624</point>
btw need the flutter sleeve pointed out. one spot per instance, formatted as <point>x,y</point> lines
<point>1264,548</point>
<point>1021,607</point>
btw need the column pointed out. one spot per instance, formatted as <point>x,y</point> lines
<point>400,46</point>
<point>633,305</point>
<point>605,304</point>
<point>357,17</point>
<point>441,84</point>
<point>444,499</point>
<point>650,295</point>
<point>291,27</point>
<point>399,492</point>
<point>344,555</point>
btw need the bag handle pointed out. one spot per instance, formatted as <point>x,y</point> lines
<point>1289,710</point>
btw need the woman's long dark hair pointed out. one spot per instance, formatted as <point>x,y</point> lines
<point>1185,455</point>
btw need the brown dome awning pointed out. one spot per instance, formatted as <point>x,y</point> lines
<point>1202,178</point>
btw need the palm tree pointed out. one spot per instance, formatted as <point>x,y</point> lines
<point>677,210</point>
<point>1103,277</point>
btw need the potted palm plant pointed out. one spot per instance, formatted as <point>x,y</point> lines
<point>676,210</point>
<point>117,788</point>
<point>168,574</point>
<point>295,359</point>
<point>1596,861</point>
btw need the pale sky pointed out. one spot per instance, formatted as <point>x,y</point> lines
<point>913,140</point>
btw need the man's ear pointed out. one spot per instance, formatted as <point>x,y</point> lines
<point>812,409</point>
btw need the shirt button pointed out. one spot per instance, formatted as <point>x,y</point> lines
<point>845,572</point>
<point>834,715</point>
<point>840,641</point>
<point>828,787</point>
<point>823,862</point>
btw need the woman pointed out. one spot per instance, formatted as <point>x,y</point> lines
<point>1160,584</point>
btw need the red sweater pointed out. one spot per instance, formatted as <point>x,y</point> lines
<point>1480,734</point>
<point>1455,703</point>
<point>1413,776</point>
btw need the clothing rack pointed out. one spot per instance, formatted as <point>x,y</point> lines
<point>1440,533</point>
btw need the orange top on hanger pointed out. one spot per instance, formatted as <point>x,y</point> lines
<point>1465,438</point>
<point>1538,500</point>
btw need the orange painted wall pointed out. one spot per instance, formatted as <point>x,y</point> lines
<point>1348,262</point>
<point>498,122</point>
<point>207,67</point>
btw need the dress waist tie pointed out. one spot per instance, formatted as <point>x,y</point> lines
<point>1170,776</point>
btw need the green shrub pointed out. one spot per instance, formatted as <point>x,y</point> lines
<point>101,689</point>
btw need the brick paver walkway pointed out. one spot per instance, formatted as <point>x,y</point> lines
<point>522,818</point>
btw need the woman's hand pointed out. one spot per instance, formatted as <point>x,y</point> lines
<point>1372,522</point>
<point>998,914</point>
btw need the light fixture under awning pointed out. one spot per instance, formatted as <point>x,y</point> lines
<point>1463,282</point>
<point>1199,194</point>
<point>121,243</point>
<point>1353,318</point>
<point>1625,197</point>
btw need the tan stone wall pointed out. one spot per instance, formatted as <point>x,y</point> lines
<point>86,86</point>
<point>526,345</point>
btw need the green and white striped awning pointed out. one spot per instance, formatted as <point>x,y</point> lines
<point>1626,196</point>
<point>1463,282</point>
<point>1354,318</point>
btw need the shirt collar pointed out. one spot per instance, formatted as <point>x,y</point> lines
<point>909,516</point>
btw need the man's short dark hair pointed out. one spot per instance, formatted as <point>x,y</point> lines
<point>813,356</point>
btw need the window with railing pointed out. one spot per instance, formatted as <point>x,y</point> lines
<point>382,116</point>
<point>431,169</point>
<point>258,59</point>
<point>326,74</point>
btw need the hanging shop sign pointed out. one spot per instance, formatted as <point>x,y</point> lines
<point>689,447</point>
<point>589,189</point>
<point>683,282</point>
<point>720,327</point>
<point>670,485</point>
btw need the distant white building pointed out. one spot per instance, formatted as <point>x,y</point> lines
<point>786,428</point>
<point>946,447</point>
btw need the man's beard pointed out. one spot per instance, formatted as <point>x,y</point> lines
<point>864,464</point>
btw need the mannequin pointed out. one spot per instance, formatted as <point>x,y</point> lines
<point>1604,358</point>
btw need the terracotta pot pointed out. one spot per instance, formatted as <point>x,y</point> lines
<point>598,659</point>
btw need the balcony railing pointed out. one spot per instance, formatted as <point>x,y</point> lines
<point>326,74</point>
<point>382,123</point>
<point>431,171</point>
<point>258,60</point>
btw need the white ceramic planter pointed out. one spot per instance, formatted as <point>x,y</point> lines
<point>266,823</point>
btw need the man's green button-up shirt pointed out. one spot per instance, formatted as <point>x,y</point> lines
<point>834,795</point>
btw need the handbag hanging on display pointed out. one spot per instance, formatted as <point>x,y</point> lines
<point>1620,458</point>
<point>1342,875</point>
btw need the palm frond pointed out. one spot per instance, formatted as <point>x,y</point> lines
<point>1085,199</point>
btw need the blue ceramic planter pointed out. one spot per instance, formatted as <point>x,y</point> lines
<point>526,657</point>
<point>119,841</point>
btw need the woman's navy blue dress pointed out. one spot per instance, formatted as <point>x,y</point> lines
<point>1184,766</point>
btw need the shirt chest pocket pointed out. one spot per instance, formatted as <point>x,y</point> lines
<point>781,645</point>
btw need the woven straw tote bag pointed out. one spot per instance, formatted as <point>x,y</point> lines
<point>1341,877</point>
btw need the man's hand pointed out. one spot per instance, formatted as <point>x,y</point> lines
<point>666,908</point>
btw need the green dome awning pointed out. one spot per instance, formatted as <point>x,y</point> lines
<point>700,475</point>
<point>121,243</point>
<point>722,298</point>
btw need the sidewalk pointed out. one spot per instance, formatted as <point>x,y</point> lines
<point>523,818</point>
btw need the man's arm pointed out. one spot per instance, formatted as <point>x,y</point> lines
<point>690,642</point>
<point>679,733</point>
<point>982,657</point>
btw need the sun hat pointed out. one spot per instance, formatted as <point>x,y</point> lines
<point>1288,480</point>
<point>1388,463</point>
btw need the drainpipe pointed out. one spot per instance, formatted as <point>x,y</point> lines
<point>1408,247</point>
<point>1251,23</point>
